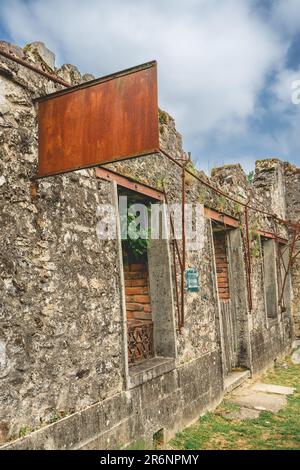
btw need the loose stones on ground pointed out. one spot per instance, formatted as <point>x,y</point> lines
<point>256,398</point>
<point>296,356</point>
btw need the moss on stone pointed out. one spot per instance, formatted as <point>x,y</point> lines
<point>163,117</point>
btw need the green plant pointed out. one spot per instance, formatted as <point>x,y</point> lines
<point>135,247</point>
<point>191,168</point>
<point>250,177</point>
<point>203,195</point>
<point>163,117</point>
<point>140,445</point>
<point>54,419</point>
<point>237,208</point>
<point>255,248</point>
<point>160,182</point>
<point>24,430</point>
<point>221,203</point>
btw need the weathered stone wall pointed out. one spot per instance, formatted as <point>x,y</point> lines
<point>61,338</point>
<point>62,343</point>
<point>292,184</point>
<point>200,335</point>
<point>169,402</point>
<point>268,337</point>
<point>60,292</point>
<point>270,187</point>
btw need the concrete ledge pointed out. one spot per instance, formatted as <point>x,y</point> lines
<point>149,370</point>
<point>170,399</point>
<point>235,379</point>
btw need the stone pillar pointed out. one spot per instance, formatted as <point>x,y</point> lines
<point>269,184</point>
<point>292,185</point>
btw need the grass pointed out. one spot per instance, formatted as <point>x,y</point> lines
<point>268,431</point>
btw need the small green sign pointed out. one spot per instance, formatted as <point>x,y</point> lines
<point>192,280</point>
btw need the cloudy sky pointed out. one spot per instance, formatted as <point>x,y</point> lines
<point>226,67</point>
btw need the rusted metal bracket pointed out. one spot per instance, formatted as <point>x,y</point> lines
<point>182,258</point>
<point>287,269</point>
<point>35,69</point>
<point>288,223</point>
<point>175,250</point>
<point>129,183</point>
<point>183,242</point>
<point>222,218</point>
<point>265,234</point>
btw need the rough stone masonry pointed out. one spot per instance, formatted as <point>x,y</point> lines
<point>65,382</point>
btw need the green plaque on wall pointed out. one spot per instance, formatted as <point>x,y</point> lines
<point>192,280</point>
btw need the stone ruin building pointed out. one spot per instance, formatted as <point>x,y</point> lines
<point>91,352</point>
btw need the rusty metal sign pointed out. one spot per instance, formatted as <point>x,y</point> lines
<point>105,120</point>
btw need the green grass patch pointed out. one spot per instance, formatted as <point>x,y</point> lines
<point>268,431</point>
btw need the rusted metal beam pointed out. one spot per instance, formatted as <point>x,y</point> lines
<point>183,246</point>
<point>231,198</point>
<point>176,251</point>
<point>98,81</point>
<point>35,69</point>
<point>234,223</point>
<point>129,183</point>
<point>296,255</point>
<point>265,234</point>
<point>219,217</point>
<point>176,281</point>
<point>173,232</point>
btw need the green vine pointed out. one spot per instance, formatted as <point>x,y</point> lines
<point>162,117</point>
<point>250,177</point>
<point>135,249</point>
<point>255,248</point>
<point>254,240</point>
<point>221,203</point>
<point>237,208</point>
<point>203,196</point>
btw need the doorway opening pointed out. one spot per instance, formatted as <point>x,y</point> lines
<point>136,279</point>
<point>232,298</point>
<point>147,284</point>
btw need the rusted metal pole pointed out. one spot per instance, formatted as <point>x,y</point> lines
<point>183,246</point>
<point>279,280</point>
<point>228,196</point>
<point>173,232</point>
<point>176,282</point>
<point>175,250</point>
<point>35,69</point>
<point>289,266</point>
<point>248,238</point>
<point>296,255</point>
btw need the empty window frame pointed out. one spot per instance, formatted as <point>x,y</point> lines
<point>270,276</point>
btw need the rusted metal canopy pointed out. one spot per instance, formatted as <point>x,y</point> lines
<point>105,120</point>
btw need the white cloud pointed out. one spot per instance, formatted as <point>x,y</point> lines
<point>284,89</point>
<point>286,13</point>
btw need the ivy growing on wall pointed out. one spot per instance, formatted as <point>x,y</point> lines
<point>135,248</point>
